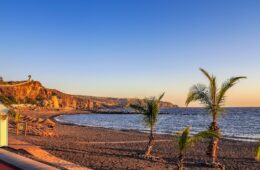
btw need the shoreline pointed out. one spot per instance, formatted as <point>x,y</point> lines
<point>102,148</point>
<point>231,138</point>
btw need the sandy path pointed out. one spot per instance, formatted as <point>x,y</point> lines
<point>13,85</point>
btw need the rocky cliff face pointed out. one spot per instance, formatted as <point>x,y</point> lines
<point>32,92</point>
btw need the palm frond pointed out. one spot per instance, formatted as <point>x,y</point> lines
<point>226,86</point>
<point>161,96</point>
<point>258,152</point>
<point>212,85</point>
<point>212,97</point>
<point>202,135</point>
<point>183,137</point>
<point>200,93</point>
<point>206,74</point>
<point>150,108</point>
<point>137,106</point>
<point>185,140</point>
<point>153,109</point>
<point>213,90</point>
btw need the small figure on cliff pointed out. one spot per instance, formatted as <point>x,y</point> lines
<point>29,77</point>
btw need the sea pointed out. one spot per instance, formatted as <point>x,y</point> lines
<point>241,124</point>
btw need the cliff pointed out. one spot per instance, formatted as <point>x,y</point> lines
<point>32,93</point>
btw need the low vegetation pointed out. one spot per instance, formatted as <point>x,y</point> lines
<point>150,109</point>
<point>185,141</point>
<point>213,99</point>
<point>7,100</point>
<point>258,152</point>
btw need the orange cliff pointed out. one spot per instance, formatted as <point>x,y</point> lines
<point>33,94</point>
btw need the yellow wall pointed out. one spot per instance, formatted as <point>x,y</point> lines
<point>3,132</point>
<point>55,102</point>
<point>3,126</point>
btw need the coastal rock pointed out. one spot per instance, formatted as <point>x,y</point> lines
<point>32,95</point>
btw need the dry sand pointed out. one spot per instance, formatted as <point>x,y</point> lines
<point>101,148</point>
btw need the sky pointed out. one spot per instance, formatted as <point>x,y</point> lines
<point>133,48</point>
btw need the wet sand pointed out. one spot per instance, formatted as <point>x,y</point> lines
<point>101,148</point>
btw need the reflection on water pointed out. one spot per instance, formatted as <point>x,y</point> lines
<point>235,123</point>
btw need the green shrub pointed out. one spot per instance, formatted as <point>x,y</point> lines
<point>28,100</point>
<point>12,99</point>
<point>7,100</point>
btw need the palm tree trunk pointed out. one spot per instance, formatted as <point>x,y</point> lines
<point>213,145</point>
<point>214,154</point>
<point>150,143</point>
<point>180,162</point>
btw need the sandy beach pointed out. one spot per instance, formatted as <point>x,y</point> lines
<point>101,148</point>
<point>130,84</point>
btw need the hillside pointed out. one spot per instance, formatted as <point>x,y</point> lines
<point>33,93</point>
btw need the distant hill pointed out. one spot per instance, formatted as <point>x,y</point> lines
<point>32,93</point>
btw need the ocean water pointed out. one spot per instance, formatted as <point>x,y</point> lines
<point>235,123</point>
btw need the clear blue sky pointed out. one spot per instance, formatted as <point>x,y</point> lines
<point>132,48</point>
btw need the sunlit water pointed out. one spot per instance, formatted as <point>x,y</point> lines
<point>235,123</point>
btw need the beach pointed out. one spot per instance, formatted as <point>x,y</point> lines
<point>100,148</point>
<point>130,84</point>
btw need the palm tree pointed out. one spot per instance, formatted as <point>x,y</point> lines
<point>150,109</point>
<point>213,99</point>
<point>185,141</point>
<point>258,152</point>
